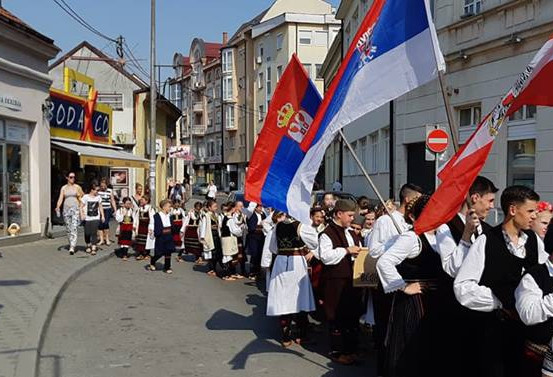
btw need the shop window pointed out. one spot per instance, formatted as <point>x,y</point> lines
<point>115,100</point>
<point>470,116</point>
<point>526,112</point>
<point>521,158</point>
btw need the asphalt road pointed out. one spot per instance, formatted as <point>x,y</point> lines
<point>120,320</point>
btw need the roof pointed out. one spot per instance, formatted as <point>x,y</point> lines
<point>9,18</point>
<point>212,50</point>
<point>254,21</point>
<point>105,58</point>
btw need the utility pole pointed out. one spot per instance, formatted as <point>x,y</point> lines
<point>153,99</point>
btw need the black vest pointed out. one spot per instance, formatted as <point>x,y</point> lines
<point>288,236</point>
<point>253,223</point>
<point>225,230</point>
<point>548,241</point>
<point>542,332</point>
<point>503,270</point>
<point>457,227</point>
<point>344,269</point>
<point>425,266</point>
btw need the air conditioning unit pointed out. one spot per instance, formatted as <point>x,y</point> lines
<point>259,60</point>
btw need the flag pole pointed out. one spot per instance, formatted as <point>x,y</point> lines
<point>368,178</point>
<point>452,126</point>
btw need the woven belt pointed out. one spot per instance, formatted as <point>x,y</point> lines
<point>301,251</point>
<point>540,349</point>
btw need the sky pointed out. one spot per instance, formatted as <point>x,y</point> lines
<point>178,23</point>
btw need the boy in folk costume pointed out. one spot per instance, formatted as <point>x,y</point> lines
<point>162,229</point>
<point>177,217</point>
<point>290,292</point>
<point>489,276</point>
<point>192,243</point>
<point>125,217</point>
<point>230,232</point>
<point>337,249</point>
<point>210,237</point>
<point>144,241</point>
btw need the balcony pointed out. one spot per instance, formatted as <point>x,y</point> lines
<point>231,127</point>
<point>198,107</point>
<point>199,129</point>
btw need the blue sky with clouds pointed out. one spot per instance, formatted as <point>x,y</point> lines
<point>178,22</point>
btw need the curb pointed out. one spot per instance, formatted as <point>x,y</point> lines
<point>27,362</point>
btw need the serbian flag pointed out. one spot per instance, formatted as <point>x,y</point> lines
<point>394,51</point>
<point>533,87</point>
<point>277,153</point>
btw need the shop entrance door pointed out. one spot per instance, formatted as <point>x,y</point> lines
<point>14,187</point>
<point>3,198</point>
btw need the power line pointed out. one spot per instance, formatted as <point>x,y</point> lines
<point>73,14</point>
<point>134,61</point>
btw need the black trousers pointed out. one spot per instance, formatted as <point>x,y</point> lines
<point>302,323</point>
<point>166,255</point>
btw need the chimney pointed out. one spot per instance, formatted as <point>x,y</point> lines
<point>225,37</point>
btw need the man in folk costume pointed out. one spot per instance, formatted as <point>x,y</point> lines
<point>125,217</point>
<point>453,241</point>
<point>290,293</point>
<point>192,243</point>
<point>255,238</point>
<point>489,276</point>
<point>144,242</point>
<point>177,216</point>
<point>210,237</point>
<point>229,241</point>
<point>337,249</point>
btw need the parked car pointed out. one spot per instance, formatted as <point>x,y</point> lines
<point>317,196</point>
<point>236,196</point>
<point>200,189</point>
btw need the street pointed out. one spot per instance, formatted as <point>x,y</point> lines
<point>119,320</point>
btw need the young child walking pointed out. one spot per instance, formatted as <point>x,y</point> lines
<point>164,244</point>
<point>92,213</point>
<point>177,217</point>
<point>144,216</point>
<point>125,217</point>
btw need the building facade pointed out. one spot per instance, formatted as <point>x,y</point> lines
<point>486,46</point>
<point>196,90</point>
<point>253,61</point>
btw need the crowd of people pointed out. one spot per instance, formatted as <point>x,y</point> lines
<point>466,299</point>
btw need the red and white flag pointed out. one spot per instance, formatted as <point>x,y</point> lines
<point>533,87</point>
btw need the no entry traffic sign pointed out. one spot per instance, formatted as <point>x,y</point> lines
<point>437,140</point>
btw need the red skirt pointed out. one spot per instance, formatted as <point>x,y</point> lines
<point>177,225</point>
<point>125,234</point>
<point>141,235</point>
<point>191,242</point>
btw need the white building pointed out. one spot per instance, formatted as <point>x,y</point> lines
<point>486,46</point>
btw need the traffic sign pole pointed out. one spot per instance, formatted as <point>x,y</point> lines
<point>437,141</point>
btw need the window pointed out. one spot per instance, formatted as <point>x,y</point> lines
<point>229,117</point>
<point>114,100</point>
<point>470,116</point>
<point>521,158</point>
<point>260,80</point>
<point>269,85</point>
<point>279,41</point>
<point>472,7</point>
<point>279,72</point>
<point>307,68</point>
<point>526,112</point>
<point>305,37</point>
<point>218,143</point>
<point>385,150</point>
<point>217,92</point>
<point>218,117</point>
<point>227,89</point>
<point>227,61</point>
<point>260,51</point>
<point>321,38</point>
<point>363,151</point>
<point>176,95</point>
<point>261,113</point>
<point>373,153</point>
<point>318,68</point>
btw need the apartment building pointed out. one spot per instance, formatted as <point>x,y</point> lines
<point>253,61</point>
<point>196,90</point>
<point>486,45</point>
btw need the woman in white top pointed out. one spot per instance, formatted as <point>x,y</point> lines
<point>70,198</point>
<point>211,191</point>
<point>92,213</point>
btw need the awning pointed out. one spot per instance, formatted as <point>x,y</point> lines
<point>103,156</point>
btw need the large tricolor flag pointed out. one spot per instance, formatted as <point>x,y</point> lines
<point>533,87</point>
<point>277,154</point>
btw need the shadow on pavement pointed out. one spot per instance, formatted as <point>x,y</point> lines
<point>13,283</point>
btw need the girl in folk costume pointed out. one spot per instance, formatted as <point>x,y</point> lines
<point>239,224</point>
<point>125,217</point>
<point>177,217</point>
<point>229,241</point>
<point>290,292</point>
<point>192,243</point>
<point>144,241</point>
<point>162,229</point>
<point>412,268</point>
<point>267,257</point>
<point>210,237</point>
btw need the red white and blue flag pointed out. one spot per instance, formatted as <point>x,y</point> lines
<point>277,153</point>
<point>533,87</point>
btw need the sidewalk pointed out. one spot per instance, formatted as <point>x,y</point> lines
<point>32,278</point>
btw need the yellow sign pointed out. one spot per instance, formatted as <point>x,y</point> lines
<point>113,162</point>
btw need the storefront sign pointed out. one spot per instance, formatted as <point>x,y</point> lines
<point>66,115</point>
<point>11,103</point>
<point>181,152</point>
